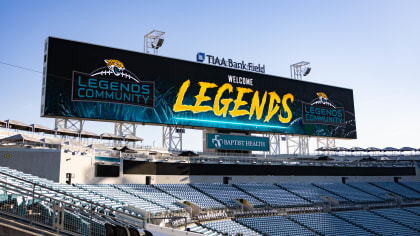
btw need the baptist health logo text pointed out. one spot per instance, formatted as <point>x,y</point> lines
<point>201,56</point>
<point>236,142</point>
<point>112,84</point>
<point>217,142</point>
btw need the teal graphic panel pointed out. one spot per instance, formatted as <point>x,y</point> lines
<point>237,142</point>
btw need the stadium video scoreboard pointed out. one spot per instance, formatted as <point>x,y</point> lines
<point>85,81</point>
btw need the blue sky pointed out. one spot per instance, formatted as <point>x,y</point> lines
<point>369,46</point>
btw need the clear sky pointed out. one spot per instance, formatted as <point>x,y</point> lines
<point>370,46</point>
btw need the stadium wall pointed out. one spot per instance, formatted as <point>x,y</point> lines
<point>54,165</point>
<point>44,163</point>
<point>81,167</point>
<point>169,179</point>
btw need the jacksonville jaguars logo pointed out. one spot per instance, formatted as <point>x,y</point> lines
<point>116,68</point>
<point>322,99</point>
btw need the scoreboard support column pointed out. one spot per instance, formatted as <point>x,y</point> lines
<point>325,142</point>
<point>75,125</point>
<point>172,138</point>
<point>274,143</point>
<point>122,129</point>
<point>297,144</point>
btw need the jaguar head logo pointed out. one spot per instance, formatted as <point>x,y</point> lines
<point>323,100</point>
<point>322,97</point>
<point>116,66</point>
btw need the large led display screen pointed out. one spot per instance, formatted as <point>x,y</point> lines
<point>88,81</point>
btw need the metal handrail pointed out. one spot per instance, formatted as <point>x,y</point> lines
<point>66,194</point>
<point>33,196</point>
<point>86,210</point>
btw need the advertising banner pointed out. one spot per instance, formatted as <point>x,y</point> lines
<point>85,81</point>
<point>237,142</point>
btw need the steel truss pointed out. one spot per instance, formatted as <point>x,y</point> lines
<point>297,69</point>
<point>274,140</point>
<point>171,139</point>
<point>297,144</point>
<point>325,142</point>
<point>75,125</point>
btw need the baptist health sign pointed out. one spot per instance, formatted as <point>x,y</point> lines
<point>237,142</point>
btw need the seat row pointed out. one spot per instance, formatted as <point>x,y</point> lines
<point>389,221</point>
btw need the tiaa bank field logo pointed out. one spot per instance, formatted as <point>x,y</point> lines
<point>201,56</point>
<point>323,111</point>
<point>112,83</point>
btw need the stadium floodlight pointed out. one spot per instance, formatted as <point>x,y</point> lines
<point>300,69</point>
<point>153,40</point>
<point>157,44</point>
<point>307,71</point>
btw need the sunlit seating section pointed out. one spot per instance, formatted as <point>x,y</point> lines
<point>186,192</point>
<point>226,193</point>
<point>327,224</point>
<point>402,216</point>
<point>273,195</point>
<point>413,185</point>
<point>65,188</point>
<point>371,189</point>
<point>202,230</point>
<point>275,225</point>
<point>152,194</point>
<point>16,199</point>
<point>348,192</point>
<point>376,223</point>
<point>415,210</point>
<point>230,228</point>
<point>310,192</point>
<point>123,197</point>
<point>398,189</point>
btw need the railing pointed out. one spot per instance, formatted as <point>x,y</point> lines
<point>107,153</point>
<point>58,211</point>
<point>257,160</point>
